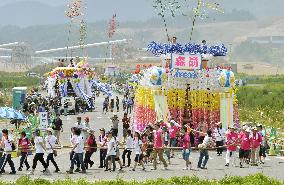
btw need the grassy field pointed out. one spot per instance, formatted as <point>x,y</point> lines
<point>257,179</point>
<point>262,103</point>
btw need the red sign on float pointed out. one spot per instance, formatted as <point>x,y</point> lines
<point>189,62</point>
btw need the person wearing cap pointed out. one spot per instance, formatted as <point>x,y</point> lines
<point>115,123</point>
<point>138,150</point>
<point>6,144</point>
<point>231,142</point>
<point>244,146</point>
<point>158,147</point>
<point>73,139</point>
<point>173,130</point>
<point>23,146</point>
<point>255,139</point>
<point>50,141</point>
<point>39,152</point>
<point>219,135</point>
<point>90,144</point>
<point>57,127</point>
<point>79,123</point>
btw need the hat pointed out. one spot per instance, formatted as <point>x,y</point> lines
<point>90,131</point>
<point>232,127</point>
<point>247,130</point>
<point>245,127</point>
<point>49,129</point>
<point>254,128</point>
<point>259,125</point>
<point>161,120</point>
<point>219,123</point>
<point>137,131</point>
<point>172,121</point>
<point>102,129</point>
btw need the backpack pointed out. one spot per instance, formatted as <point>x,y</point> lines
<point>94,145</point>
<point>13,146</point>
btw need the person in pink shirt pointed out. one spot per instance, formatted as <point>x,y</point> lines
<point>173,130</point>
<point>231,141</point>
<point>158,146</point>
<point>255,139</point>
<point>244,146</point>
<point>186,148</point>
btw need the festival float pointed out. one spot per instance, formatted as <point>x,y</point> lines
<point>187,88</point>
<point>72,81</point>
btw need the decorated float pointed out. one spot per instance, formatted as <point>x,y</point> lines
<point>186,88</point>
<point>74,81</point>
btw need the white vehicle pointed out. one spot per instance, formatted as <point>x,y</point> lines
<point>71,105</point>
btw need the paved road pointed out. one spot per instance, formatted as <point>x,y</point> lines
<point>216,168</point>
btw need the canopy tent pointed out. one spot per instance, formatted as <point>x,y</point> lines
<point>10,113</point>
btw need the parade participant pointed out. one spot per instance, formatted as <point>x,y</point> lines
<point>158,147</point>
<point>128,148</point>
<point>117,157</point>
<point>231,142</point>
<point>245,146</point>
<point>39,152</point>
<point>186,148</point>
<point>124,103</point>
<point>166,143</point>
<point>65,105</point>
<point>117,104</point>
<point>206,143</point>
<point>57,127</point>
<point>115,122</point>
<point>50,141</point>
<point>125,123</point>
<point>73,139</point>
<point>78,149</point>
<point>138,151</point>
<point>173,130</point>
<point>23,146</point>
<point>262,149</point>
<point>79,123</point>
<point>86,128</point>
<point>219,135</point>
<point>7,144</point>
<point>149,140</point>
<point>111,106</point>
<point>105,106</point>
<point>255,139</point>
<point>90,149</point>
<point>111,152</point>
<point>129,105</point>
<point>103,151</point>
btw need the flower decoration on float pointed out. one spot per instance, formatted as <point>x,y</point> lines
<point>158,49</point>
<point>226,78</point>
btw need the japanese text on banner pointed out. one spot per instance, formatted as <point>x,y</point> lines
<point>189,62</point>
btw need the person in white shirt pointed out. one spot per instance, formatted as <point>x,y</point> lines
<point>128,148</point>
<point>79,123</point>
<point>138,150</point>
<point>85,128</point>
<point>219,135</point>
<point>50,141</point>
<point>73,139</point>
<point>111,151</point>
<point>39,152</point>
<point>207,143</point>
<point>6,144</point>
<point>78,148</point>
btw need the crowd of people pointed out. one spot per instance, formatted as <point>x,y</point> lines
<point>157,141</point>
